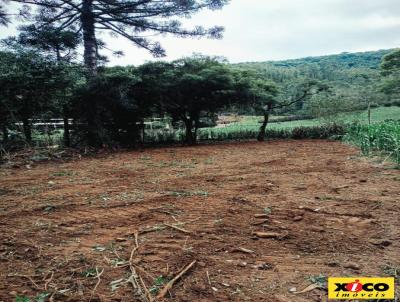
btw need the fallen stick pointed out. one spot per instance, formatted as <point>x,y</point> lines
<point>135,248</point>
<point>148,295</point>
<point>208,277</point>
<point>48,281</point>
<point>270,235</point>
<point>243,250</point>
<point>27,277</point>
<point>98,275</point>
<point>135,277</point>
<point>261,215</point>
<point>171,283</point>
<point>149,230</point>
<point>177,228</point>
<point>308,288</point>
<point>259,222</point>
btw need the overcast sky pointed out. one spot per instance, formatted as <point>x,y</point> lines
<point>261,30</point>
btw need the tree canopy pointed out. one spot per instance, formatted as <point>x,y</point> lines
<point>135,20</point>
<point>391,70</point>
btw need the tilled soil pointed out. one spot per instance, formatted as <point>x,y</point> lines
<point>68,229</point>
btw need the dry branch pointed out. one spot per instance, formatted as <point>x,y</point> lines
<point>270,235</point>
<point>135,279</point>
<point>171,283</point>
<point>259,222</point>
<point>98,275</point>
<point>48,281</point>
<point>208,277</point>
<point>243,250</point>
<point>177,228</point>
<point>27,277</point>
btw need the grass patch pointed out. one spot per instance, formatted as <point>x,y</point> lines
<point>188,193</point>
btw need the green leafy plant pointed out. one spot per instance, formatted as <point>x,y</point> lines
<point>42,297</point>
<point>267,210</point>
<point>157,284</point>
<point>91,272</point>
<point>320,280</point>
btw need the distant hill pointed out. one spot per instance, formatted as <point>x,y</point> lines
<point>352,77</point>
<point>338,69</point>
<point>368,59</point>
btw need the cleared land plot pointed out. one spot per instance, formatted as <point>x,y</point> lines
<point>69,229</point>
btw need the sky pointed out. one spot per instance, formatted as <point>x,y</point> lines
<point>263,30</point>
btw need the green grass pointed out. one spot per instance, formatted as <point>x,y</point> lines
<point>248,127</point>
<point>379,114</point>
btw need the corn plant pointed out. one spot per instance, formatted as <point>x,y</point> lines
<point>383,137</point>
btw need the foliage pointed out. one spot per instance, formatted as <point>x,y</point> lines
<point>185,94</point>
<point>4,18</point>
<point>118,111</point>
<point>127,19</point>
<point>42,297</point>
<point>190,89</point>
<point>29,83</point>
<point>61,44</point>
<point>383,137</point>
<point>353,78</point>
<point>133,20</point>
<point>391,70</point>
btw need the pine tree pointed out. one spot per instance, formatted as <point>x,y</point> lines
<point>132,19</point>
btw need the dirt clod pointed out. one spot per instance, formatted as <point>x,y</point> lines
<point>298,218</point>
<point>352,265</point>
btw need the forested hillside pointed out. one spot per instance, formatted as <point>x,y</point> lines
<point>354,79</point>
<point>369,59</point>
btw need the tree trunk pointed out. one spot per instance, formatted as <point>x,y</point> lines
<point>94,126</point>
<point>261,133</point>
<point>89,38</point>
<point>26,125</point>
<point>67,139</point>
<point>190,139</point>
<point>58,54</point>
<point>5,133</point>
<point>196,128</point>
<point>143,132</point>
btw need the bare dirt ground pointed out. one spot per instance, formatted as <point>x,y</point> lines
<point>69,229</point>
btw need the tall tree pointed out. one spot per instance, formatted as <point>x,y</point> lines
<point>62,44</point>
<point>198,86</point>
<point>120,109</point>
<point>29,83</point>
<point>264,97</point>
<point>131,19</point>
<point>390,68</point>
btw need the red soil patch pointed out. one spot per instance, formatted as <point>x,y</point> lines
<point>59,222</point>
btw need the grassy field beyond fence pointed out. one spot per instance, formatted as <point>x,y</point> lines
<point>247,127</point>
